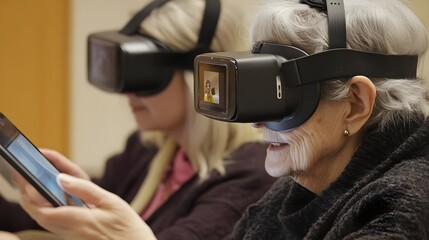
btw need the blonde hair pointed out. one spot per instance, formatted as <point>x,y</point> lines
<point>382,26</point>
<point>209,141</point>
<point>177,24</point>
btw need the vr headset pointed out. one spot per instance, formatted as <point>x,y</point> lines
<point>126,61</point>
<point>279,85</point>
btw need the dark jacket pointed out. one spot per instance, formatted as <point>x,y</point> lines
<point>382,194</point>
<point>198,210</point>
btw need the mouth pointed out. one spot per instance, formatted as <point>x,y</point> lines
<point>276,146</point>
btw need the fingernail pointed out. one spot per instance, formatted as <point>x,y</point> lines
<point>64,180</point>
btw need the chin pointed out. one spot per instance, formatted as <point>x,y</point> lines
<point>146,127</point>
<point>276,164</point>
<point>276,170</point>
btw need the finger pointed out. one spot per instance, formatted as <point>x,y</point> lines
<point>87,191</point>
<point>35,196</point>
<point>51,217</point>
<point>8,236</point>
<point>20,181</point>
<point>63,164</point>
<point>30,207</point>
<point>25,188</point>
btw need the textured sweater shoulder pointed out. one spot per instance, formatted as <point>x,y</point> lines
<point>383,193</point>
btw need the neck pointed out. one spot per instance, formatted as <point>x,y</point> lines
<point>179,135</point>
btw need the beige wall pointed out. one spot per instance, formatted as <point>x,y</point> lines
<point>99,121</point>
<point>421,7</point>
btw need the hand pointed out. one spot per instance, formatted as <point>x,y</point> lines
<point>108,218</point>
<point>63,164</point>
<point>8,236</point>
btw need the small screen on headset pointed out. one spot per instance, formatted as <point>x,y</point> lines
<point>212,86</point>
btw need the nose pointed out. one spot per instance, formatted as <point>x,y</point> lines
<point>257,125</point>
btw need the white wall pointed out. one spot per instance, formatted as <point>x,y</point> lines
<point>99,121</point>
<point>421,8</point>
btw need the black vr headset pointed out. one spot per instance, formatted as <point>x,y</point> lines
<point>279,85</point>
<point>126,61</point>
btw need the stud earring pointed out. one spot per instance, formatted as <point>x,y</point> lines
<point>346,132</point>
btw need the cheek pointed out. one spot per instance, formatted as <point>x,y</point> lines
<point>312,150</point>
<point>179,114</point>
<point>302,154</point>
<point>304,151</point>
<point>170,114</point>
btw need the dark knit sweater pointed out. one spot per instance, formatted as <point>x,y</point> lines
<point>382,194</point>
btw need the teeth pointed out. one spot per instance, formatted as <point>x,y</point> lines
<point>276,144</point>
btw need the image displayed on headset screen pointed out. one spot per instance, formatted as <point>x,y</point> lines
<point>279,85</point>
<point>212,86</point>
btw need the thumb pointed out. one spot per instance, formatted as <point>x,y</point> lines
<point>86,191</point>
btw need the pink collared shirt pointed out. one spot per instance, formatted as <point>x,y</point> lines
<point>175,176</point>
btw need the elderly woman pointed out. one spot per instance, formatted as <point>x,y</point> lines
<point>358,168</point>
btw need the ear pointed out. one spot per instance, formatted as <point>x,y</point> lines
<point>361,99</point>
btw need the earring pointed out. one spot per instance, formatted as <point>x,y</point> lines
<point>346,132</point>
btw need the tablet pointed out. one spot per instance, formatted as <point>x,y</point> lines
<point>17,150</point>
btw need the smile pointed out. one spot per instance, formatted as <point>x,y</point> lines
<point>275,146</point>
